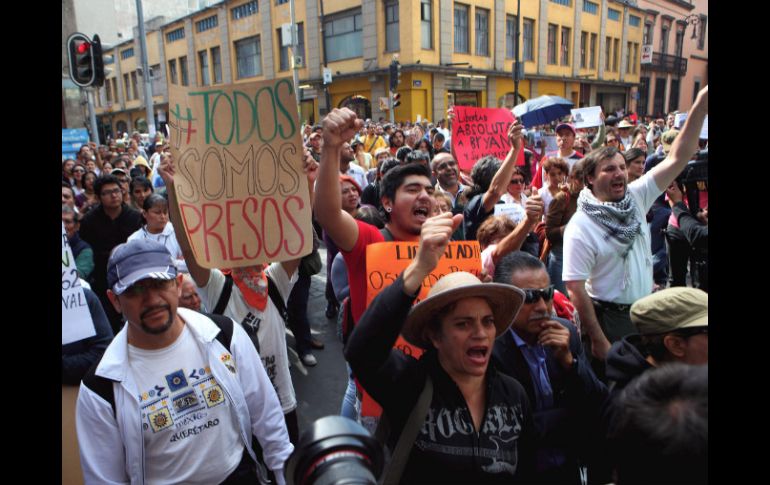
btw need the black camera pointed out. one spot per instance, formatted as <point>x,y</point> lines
<point>335,450</point>
<point>695,178</point>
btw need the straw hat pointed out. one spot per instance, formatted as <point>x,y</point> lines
<point>504,300</point>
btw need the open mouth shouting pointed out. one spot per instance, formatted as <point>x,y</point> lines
<point>478,355</point>
<point>422,213</point>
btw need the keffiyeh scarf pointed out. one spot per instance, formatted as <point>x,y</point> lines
<point>617,218</point>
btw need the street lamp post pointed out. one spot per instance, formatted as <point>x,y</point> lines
<point>690,19</point>
<point>516,54</point>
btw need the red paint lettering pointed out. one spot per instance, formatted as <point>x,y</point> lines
<point>208,230</point>
<point>230,225</point>
<point>257,237</point>
<point>294,223</point>
<point>190,229</point>
<point>271,201</point>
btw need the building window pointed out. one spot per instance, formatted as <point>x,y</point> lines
<point>679,41</point>
<point>108,91</point>
<point>482,32</point>
<point>613,14</point>
<point>566,3</point>
<point>134,84</point>
<point>391,26</point>
<point>634,21</point>
<point>592,63</point>
<point>172,71</point>
<point>565,32</point>
<point>583,49</point>
<point>511,26</point>
<point>127,87</point>
<point>590,7</point>
<point>245,10</point>
<point>552,30</point>
<point>183,70</point>
<point>702,33</point>
<point>175,35</point>
<point>647,38</point>
<point>635,62</point>
<point>115,88</point>
<point>283,53</point>
<point>695,91</point>
<point>248,54</point>
<point>629,61</point>
<point>301,42</point>
<point>616,56</point>
<point>203,62</point>
<point>664,38</point>
<point>216,61</point>
<point>206,24</point>
<point>461,28</point>
<point>127,53</point>
<point>426,24</point>
<point>281,2</point>
<point>343,35</point>
<point>528,29</point>
<point>607,52</point>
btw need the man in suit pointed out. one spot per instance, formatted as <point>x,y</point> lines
<point>545,354</point>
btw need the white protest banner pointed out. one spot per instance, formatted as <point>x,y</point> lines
<point>587,117</point>
<point>679,120</point>
<point>514,212</point>
<point>704,132</point>
<point>76,323</point>
<point>241,190</point>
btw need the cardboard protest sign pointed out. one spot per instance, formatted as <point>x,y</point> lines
<point>514,212</point>
<point>239,181</point>
<point>76,322</point>
<point>385,261</point>
<point>587,117</point>
<point>478,132</point>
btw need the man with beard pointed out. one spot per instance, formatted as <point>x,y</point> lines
<point>447,175</point>
<point>178,396</point>
<point>607,258</point>
<point>350,168</point>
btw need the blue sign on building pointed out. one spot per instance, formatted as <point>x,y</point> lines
<point>72,140</point>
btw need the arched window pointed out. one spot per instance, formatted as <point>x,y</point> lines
<point>508,100</point>
<point>360,105</point>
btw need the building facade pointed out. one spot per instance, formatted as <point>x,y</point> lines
<point>451,53</point>
<point>676,31</point>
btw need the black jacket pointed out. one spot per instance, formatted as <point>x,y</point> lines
<point>103,234</point>
<point>447,449</point>
<point>569,426</point>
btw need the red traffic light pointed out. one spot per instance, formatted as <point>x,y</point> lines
<point>83,47</point>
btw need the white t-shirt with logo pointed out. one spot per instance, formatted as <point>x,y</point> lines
<point>188,427</point>
<point>271,329</point>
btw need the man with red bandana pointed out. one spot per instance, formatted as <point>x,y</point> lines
<point>248,302</point>
<point>607,258</point>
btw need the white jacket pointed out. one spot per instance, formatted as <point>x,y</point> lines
<point>102,436</point>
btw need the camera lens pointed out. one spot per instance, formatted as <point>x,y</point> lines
<point>335,450</point>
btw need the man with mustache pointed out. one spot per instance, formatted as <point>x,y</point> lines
<point>178,396</point>
<point>544,353</point>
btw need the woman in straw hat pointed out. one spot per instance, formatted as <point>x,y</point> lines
<point>478,426</point>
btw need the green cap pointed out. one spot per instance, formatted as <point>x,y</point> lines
<point>671,309</point>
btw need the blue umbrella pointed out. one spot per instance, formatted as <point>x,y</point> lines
<point>542,110</point>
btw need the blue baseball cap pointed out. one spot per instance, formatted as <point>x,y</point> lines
<point>138,260</point>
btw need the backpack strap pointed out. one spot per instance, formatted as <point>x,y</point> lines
<point>224,297</point>
<point>104,387</point>
<point>406,441</point>
<point>277,299</point>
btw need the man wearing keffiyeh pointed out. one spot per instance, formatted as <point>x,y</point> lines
<point>607,257</point>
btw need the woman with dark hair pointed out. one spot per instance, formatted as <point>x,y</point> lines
<point>424,146</point>
<point>158,228</point>
<point>635,158</point>
<point>87,197</point>
<point>66,171</point>
<point>140,188</point>
<point>556,171</point>
<point>77,179</point>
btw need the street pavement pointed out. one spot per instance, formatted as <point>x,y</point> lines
<point>319,388</point>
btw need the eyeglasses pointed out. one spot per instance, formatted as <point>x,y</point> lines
<point>517,181</point>
<point>531,295</point>
<point>111,192</point>
<point>142,287</point>
<point>691,332</point>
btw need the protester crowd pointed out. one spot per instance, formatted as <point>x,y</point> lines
<point>547,366</point>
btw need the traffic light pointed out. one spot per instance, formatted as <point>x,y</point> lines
<point>396,99</point>
<point>96,47</point>
<point>395,74</point>
<point>81,60</point>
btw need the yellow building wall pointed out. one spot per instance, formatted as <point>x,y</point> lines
<point>556,88</point>
<point>505,85</point>
<point>410,40</point>
<point>281,14</point>
<point>591,24</point>
<point>613,29</point>
<point>474,61</point>
<point>240,29</point>
<point>560,16</point>
<point>420,99</point>
<point>343,88</point>
<point>529,10</point>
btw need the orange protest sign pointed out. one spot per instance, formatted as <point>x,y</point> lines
<point>239,181</point>
<point>385,261</point>
<point>478,132</point>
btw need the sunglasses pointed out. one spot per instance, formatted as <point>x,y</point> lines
<point>531,295</point>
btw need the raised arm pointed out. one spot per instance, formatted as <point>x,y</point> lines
<point>166,171</point>
<point>503,176</point>
<point>513,241</point>
<point>685,144</point>
<point>339,126</point>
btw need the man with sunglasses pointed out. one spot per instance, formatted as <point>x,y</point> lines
<point>544,353</point>
<point>178,396</point>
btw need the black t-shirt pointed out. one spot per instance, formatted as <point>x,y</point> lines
<point>473,215</point>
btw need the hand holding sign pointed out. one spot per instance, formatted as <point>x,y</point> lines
<point>310,167</point>
<point>434,238</point>
<point>515,136</point>
<point>534,207</point>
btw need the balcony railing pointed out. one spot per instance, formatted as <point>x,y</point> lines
<point>667,63</point>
